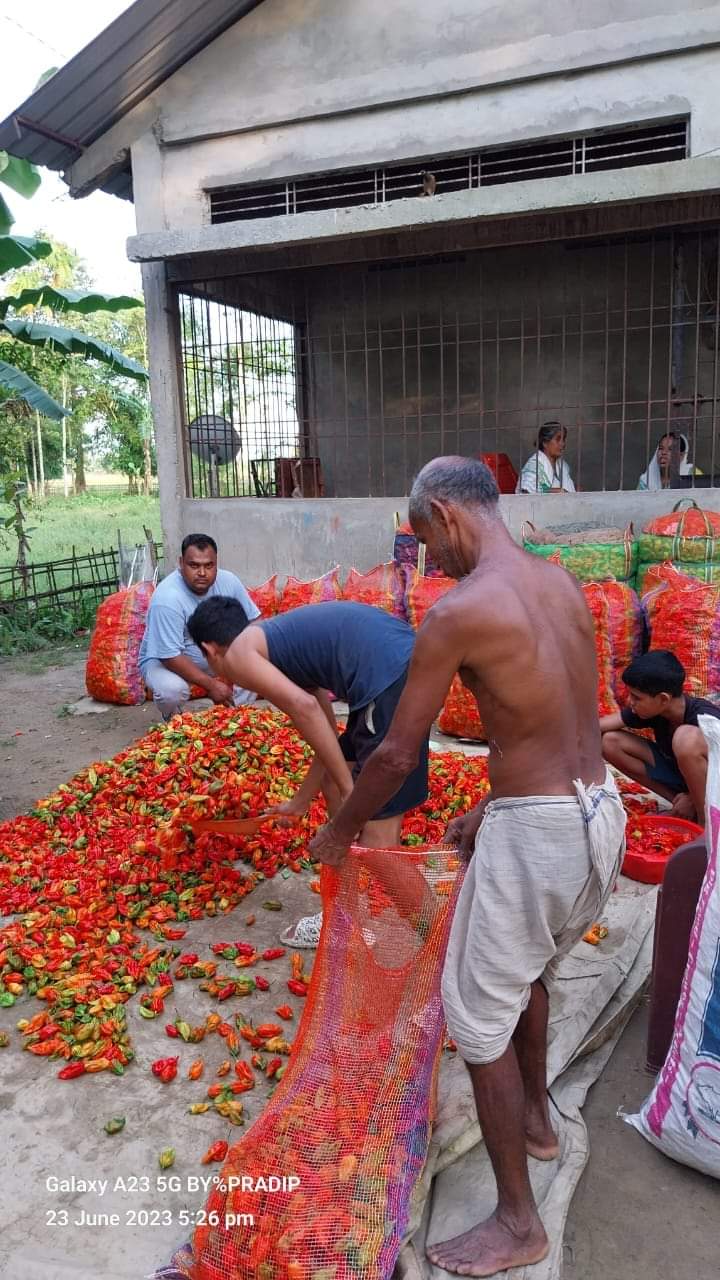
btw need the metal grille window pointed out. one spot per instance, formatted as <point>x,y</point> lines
<point>609,149</point>
<point>240,397</point>
<point>373,369</point>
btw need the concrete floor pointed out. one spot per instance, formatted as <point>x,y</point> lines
<point>635,1216</point>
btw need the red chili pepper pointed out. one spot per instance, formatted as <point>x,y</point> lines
<point>273,953</point>
<point>172,935</point>
<point>268,1030</point>
<point>273,1065</point>
<point>72,1071</point>
<point>284,1011</point>
<point>215,1153</point>
<point>172,1031</point>
<point>297,988</point>
<point>163,1066</point>
<point>261,983</point>
<point>225,992</point>
<point>189,957</point>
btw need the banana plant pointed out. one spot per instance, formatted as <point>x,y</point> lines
<point>19,251</point>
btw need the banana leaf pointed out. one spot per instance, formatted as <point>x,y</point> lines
<point>73,342</point>
<point>67,300</point>
<point>18,251</point>
<point>25,389</point>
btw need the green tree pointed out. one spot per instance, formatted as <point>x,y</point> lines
<point>30,317</point>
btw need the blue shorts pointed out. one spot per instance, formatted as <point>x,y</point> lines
<point>366,729</point>
<point>664,770</point>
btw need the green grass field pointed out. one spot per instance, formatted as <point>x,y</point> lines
<point>88,521</point>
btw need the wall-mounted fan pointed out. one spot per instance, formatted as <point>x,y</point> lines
<point>216,441</point>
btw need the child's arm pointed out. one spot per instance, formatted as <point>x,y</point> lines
<point>608,724</point>
<point>316,779</point>
<point>251,670</point>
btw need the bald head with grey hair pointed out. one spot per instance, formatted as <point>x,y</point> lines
<point>464,482</point>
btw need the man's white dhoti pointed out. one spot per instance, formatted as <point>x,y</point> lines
<point>542,870</point>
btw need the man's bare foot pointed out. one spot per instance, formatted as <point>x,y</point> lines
<point>490,1247</point>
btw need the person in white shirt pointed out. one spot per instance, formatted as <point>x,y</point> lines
<point>169,660</point>
<point>669,460</point>
<point>547,471</point>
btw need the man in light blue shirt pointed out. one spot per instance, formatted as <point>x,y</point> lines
<point>169,661</point>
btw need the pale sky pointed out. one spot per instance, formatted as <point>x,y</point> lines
<point>34,37</point>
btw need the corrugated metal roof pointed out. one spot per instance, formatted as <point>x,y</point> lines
<point>130,58</point>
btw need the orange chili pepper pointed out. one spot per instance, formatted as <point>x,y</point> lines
<point>224,1068</point>
<point>196,1069</point>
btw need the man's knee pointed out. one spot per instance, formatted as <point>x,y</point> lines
<point>612,744</point>
<point>170,692</point>
<point>689,743</point>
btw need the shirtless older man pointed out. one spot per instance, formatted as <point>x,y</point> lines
<point>547,843</point>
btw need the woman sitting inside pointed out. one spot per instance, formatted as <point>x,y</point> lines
<point>546,471</point>
<point>669,460</point>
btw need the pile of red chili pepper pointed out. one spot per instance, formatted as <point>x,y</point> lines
<point>89,868</point>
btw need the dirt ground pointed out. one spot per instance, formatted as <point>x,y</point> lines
<point>635,1215</point>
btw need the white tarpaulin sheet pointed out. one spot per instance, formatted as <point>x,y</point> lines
<point>597,990</point>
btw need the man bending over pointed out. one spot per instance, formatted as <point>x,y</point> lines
<point>362,654</point>
<point>169,661</point>
<point>547,843</point>
<point>675,764</point>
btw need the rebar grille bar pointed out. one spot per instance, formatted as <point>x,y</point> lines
<point>373,369</point>
<point>609,149</point>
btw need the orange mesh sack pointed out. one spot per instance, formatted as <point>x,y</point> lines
<point>383,587</point>
<point>598,606</point>
<point>686,619</point>
<point>460,717</point>
<point>265,597</point>
<point>422,593</point>
<point>296,593</point>
<point>346,1132</point>
<point>112,673</point>
<point>626,627</point>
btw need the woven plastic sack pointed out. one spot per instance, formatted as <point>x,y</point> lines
<point>701,570</point>
<point>691,535</point>
<point>296,593</point>
<point>626,627</point>
<point>383,587</point>
<point>684,617</point>
<point>351,1117</point>
<point>682,1115</point>
<point>590,556</point>
<point>265,597</point>
<point>422,593</point>
<point>112,673</point>
<point>460,717</point>
<point>406,552</point>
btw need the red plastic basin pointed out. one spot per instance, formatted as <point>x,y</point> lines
<point>643,861</point>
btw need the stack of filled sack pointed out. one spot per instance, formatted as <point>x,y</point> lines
<point>678,611</point>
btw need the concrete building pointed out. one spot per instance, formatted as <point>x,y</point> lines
<point>372,233</point>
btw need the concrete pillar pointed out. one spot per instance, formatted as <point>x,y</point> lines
<point>166,406</point>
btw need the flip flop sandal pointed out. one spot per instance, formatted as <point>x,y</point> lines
<point>305,934</point>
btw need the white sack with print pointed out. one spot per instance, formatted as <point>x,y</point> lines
<point>682,1115</point>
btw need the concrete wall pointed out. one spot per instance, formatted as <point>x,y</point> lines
<point>473,354</point>
<point>257,538</point>
<point>298,88</point>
